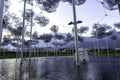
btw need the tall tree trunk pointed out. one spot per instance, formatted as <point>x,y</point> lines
<point>17,48</point>
<point>95,50</point>
<point>24,10</point>
<point>54,42</point>
<point>37,50</point>
<point>21,63</point>
<point>1,19</point>
<point>98,47</point>
<point>31,26</point>
<point>107,48</point>
<point>118,3</point>
<point>31,21</point>
<point>47,49</point>
<point>75,33</point>
<point>115,47</point>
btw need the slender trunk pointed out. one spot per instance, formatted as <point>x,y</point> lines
<point>30,38</point>
<point>98,48</point>
<point>76,36</point>
<point>54,42</point>
<point>21,70</point>
<point>24,10</point>
<point>17,48</point>
<point>95,50</point>
<point>107,48</point>
<point>31,26</point>
<point>70,52</point>
<point>118,3</point>
<point>58,48</point>
<point>37,50</point>
<point>30,44</point>
<point>47,49</point>
<point>1,20</point>
<point>21,63</point>
<point>4,51</point>
<point>115,47</point>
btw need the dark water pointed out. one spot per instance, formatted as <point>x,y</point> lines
<point>58,68</point>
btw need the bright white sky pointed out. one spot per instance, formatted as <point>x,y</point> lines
<point>90,12</point>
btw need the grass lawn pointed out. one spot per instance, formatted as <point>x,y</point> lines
<point>4,55</point>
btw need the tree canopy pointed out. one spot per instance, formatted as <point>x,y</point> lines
<point>46,37</point>
<point>117,25</point>
<point>51,5</point>
<point>54,28</point>
<point>100,30</point>
<point>111,4</point>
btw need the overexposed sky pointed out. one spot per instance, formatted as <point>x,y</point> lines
<point>90,12</point>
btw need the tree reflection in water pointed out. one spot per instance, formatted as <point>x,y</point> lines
<point>57,68</point>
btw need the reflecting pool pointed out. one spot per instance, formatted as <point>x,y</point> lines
<point>58,68</point>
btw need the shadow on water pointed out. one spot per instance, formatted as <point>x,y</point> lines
<point>57,68</point>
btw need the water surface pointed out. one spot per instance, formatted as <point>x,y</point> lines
<point>59,68</point>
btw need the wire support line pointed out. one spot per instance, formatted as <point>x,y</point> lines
<point>102,6</point>
<point>113,16</point>
<point>99,1</point>
<point>104,9</point>
<point>105,12</point>
<point>102,18</point>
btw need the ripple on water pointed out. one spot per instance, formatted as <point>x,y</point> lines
<point>58,68</point>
